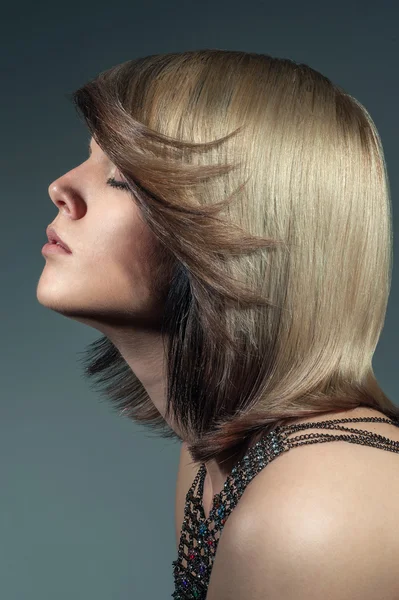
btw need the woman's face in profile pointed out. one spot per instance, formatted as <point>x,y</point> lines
<point>109,275</point>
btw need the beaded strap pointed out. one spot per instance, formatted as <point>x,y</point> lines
<point>192,568</point>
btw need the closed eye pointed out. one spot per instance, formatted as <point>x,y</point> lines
<point>117,184</point>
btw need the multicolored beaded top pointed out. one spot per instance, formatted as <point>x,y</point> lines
<point>200,535</point>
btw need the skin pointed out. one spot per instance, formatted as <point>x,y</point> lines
<point>109,282</point>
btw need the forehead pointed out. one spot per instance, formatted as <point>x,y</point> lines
<point>94,147</point>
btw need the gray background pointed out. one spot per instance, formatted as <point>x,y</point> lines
<point>87,497</point>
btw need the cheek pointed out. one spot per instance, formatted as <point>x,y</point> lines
<point>120,238</point>
<point>133,251</point>
<point>122,258</point>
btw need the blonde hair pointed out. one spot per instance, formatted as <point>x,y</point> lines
<point>265,186</point>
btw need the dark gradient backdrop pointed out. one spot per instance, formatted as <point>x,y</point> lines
<point>86,497</point>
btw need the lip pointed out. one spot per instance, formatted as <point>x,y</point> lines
<point>53,238</point>
<point>54,249</point>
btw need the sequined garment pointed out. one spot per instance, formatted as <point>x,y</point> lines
<point>200,535</point>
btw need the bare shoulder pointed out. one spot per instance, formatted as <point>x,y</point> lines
<point>364,475</point>
<point>305,517</point>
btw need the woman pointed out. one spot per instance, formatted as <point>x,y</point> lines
<point>230,236</point>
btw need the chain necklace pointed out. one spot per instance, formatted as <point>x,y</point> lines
<point>200,535</point>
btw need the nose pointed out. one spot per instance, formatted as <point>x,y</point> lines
<point>64,192</point>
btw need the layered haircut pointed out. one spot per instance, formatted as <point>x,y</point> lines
<point>266,188</point>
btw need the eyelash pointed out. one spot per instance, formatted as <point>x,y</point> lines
<point>117,184</point>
